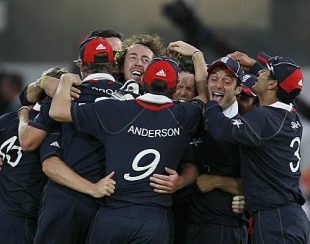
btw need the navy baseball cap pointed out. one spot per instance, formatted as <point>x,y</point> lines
<point>161,68</point>
<point>93,46</point>
<point>248,81</point>
<point>232,65</point>
<point>285,70</point>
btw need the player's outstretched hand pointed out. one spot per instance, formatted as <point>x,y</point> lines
<point>206,182</point>
<point>166,183</point>
<point>245,61</point>
<point>238,204</point>
<point>104,187</point>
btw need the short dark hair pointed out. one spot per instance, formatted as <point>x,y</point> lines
<point>159,87</point>
<point>186,64</point>
<point>105,34</point>
<point>287,97</point>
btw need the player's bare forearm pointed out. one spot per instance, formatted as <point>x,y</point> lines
<point>34,92</point>
<point>208,183</point>
<point>29,137</point>
<point>56,169</point>
<point>61,103</point>
<point>230,184</point>
<point>200,67</point>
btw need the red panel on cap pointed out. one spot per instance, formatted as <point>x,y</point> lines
<point>292,82</point>
<point>95,46</point>
<point>161,70</point>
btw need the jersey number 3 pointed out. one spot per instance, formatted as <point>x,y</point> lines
<point>149,169</point>
<point>293,142</point>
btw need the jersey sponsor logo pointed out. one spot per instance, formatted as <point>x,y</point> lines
<point>55,144</point>
<point>196,141</point>
<point>154,133</point>
<point>106,91</point>
<point>161,73</point>
<point>224,60</point>
<point>9,151</point>
<point>295,125</point>
<point>300,83</point>
<point>237,122</point>
<point>100,47</point>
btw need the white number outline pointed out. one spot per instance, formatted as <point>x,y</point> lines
<point>150,167</point>
<point>10,146</point>
<point>296,153</point>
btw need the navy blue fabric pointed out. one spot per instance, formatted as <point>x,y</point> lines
<point>21,184</point>
<point>43,121</point>
<point>130,225</point>
<point>270,140</point>
<point>215,158</point>
<point>51,146</point>
<point>212,233</point>
<point>120,126</point>
<point>16,229</point>
<point>21,177</point>
<point>65,216</point>
<point>287,224</point>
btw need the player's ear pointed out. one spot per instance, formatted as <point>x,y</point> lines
<point>238,90</point>
<point>273,84</point>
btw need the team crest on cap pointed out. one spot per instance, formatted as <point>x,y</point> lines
<point>100,47</point>
<point>161,73</point>
<point>224,60</point>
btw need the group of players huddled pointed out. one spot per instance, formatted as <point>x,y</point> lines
<point>152,145</point>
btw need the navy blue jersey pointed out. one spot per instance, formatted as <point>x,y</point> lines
<point>270,142</point>
<point>43,121</point>
<point>21,177</point>
<point>141,138</point>
<point>215,158</point>
<point>82,152</point>
<point>51,146</point>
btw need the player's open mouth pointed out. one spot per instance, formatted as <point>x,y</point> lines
<point>217,96</point>
<point>136,73</point>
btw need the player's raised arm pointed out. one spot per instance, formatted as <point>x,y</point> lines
<point>61,104</point>
<point>185,49</point>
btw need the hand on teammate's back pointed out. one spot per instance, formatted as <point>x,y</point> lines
<point>104,187</point>
<point>238,204</point>
<point>165,183</point>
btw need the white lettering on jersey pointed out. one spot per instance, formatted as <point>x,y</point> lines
<point>10,151</point>
<point>296,153</point>
<point>295,125</point>
<point>154,133</point>
<point>149,168</point>
<point>107,91</point>
<point>237,122</point>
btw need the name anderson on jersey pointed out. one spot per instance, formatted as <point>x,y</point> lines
<point>154,133</point>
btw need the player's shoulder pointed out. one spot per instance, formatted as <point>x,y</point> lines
<point>7,119</point>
